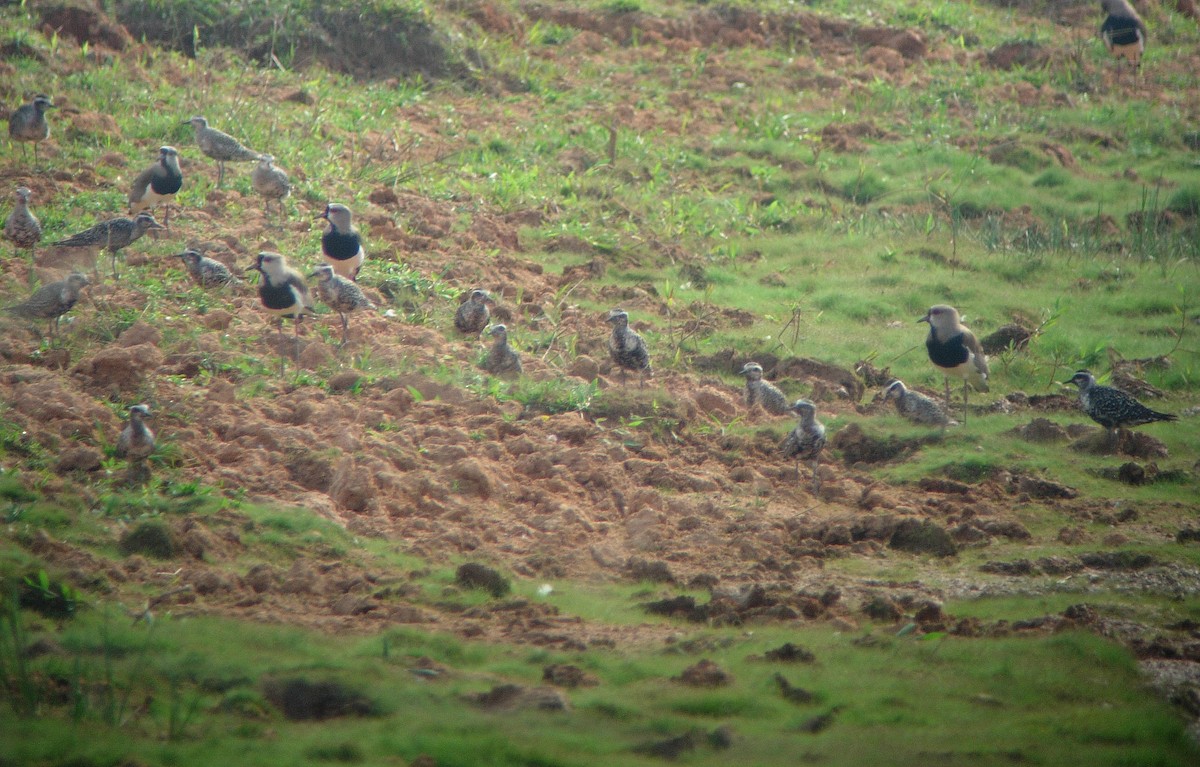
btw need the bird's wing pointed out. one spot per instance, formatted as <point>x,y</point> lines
<point>140,184</point>
<point>972,344</point>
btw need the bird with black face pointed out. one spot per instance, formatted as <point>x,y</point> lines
<point>955,351</point>
<point>1112,408</point>
<point>282,290</point>
<point>158,183</point>
<point>341,244</point>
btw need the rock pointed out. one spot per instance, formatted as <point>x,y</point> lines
<point>923,537</point>
<point>1036,487</point>
<point>153,538</point>
<point>881,608</point>
<point>1042,430</point>
<point>790,653</point>
<point>139,333</point>
<point>476,576</point>
<point>78,459</point>
<point>512,697</point>
<point>655,571</point>
<point>300,699</point>
<point>351,486</point>
<point>564,675</point>
<point>469,478</point>
<point>704,674</point>
<point>344,381</point>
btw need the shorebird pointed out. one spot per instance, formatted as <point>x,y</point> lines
<point>113,235</point>
<point>763,392</point>
<point>805,442</point>
<point>341,244</point>
<point>28,123</point>
<point>1123,32</point>
<point>954,350</point>
<point>501,360</point>
<point>472,315</point>
<point>282,290</point>
<point>339,294</point>
<point>219,146</point>
<point>271,183</point>
<point>51,302</point>
<point>22,227</point>
<point>915,406</point>
<point>136,441</point>
<point>626,347</point>
<point>157,183</point>
<point>1113,408</point>
<point>206,272</point>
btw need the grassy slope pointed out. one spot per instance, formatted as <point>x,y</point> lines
<point>738,181</point>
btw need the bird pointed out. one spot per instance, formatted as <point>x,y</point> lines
<point>22,227</point>
<point>342,244</point>
<point>763,392</point>
<point>207,272</point>
<point>28,123</point>
<point>52,301</point>
<point>915,406</point>
<point>626,347</point>
<point>954,350</point>
<point>472,315</point>
<point>501,359</point>
<point>1123,32</point>
<point>1113,408</point>
<point>340,294</point>
<point>220,146</point>
<point>806,440</point>
<point>136,441</point>
<point>159,182</point>
<point>270,182</point>
<point>282,290</point>
<point>113,235</point>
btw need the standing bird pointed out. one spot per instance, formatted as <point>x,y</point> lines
<point>1123,32</point>
<point>340,294</point>
<point>954,350</point>
<point>1113,408</point>
<point>113,235</point>
<point>626,347</point>
<point>342,245</point>
<point>29,123</point>
<point>207,272</point>
<point>806,441</point>
<point>159,182</point>
<point>915,406</point>
<point>472,315</point>
<point>763,392</point>
<point>50,302</point>
<point>271,183</point>
<point>282,290</point>
<point>136,441</point>
<point>22,227</point>
<point>501,360</point>
<point>220,146</point>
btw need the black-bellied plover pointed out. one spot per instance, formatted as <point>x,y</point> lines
<point>626,348</point>
<point>28,123</point>
<point>52,301</point>
<point>112,235</point>
<point>219,146</point>
<point>472,315</point>
<point>342,244</point>
<point>270,183</point>
<point>1123,32</point>
<point>207,272</point>
<point>22,227</point>
<point>136,441</point>
<point>954,350</point>
<point>501,360</point>
<point>339,294</point>
<point>157,183</point>
<point>762,392</point>
<point>282,290</point>
<point>805,442</point>
<point>1113,408</point>
<point>915,406</point>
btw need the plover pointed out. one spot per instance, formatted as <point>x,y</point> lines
<point>915,406</point>
<point>339,294</point>
<point>954,350</point>
<point>219,146</point>
<point>626,348</point>
<point>52,301</point>
<point>28,123</point>
<point>157,183</point>
<point>805,442</point>
<point>342,244</point>
<point>763,392</point>
<point>472,315</point>
<point>501,360</point>
<point>1113,408</point>
<point>112,235</point>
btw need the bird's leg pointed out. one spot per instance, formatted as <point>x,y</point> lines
<point>965,388</point>
<point>345,328</point>
<point>114,265</point>
<point>220,173</point>
<point>816,476</point>
<point>949,403</point>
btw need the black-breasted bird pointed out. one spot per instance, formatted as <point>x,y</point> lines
<point>270,183</point>
<point>112,235</point>
<point>219,146</point>
<point>52,301</point>
<point>136,441</point>
<point>28,123</point>
<point>501,360</point>
<point>22,227</point>
<point>339,294</point>
<point>1123,32</point>
<point>915,406</point>
<point>472,315</point>
<point>1113,408</point>
<point>157,183</point>
<point>207,272</point>
<point>282,290</point>
<point>954,350</point>
<point>806,440</point>
<point>763,392</point>
<point>342,244</point>
<point>626,348</point>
